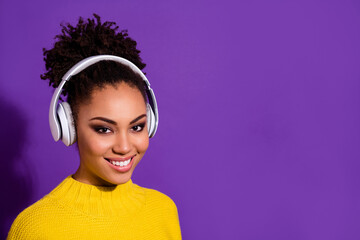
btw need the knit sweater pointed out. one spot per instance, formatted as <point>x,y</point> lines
<point>75,210</point>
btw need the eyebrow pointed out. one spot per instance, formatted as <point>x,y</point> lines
<point>114,123</point>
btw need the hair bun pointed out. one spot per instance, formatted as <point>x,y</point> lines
<point>87,38</point>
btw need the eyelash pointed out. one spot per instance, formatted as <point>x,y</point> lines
<point>104,130</point>
<point>141,125</point>
<point>100,130</point>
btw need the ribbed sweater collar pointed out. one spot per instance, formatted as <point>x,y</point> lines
<point>120,200</point>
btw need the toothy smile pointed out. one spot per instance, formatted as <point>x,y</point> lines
<point>119,162</point>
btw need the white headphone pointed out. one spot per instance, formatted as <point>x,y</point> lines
<point>60,115</point>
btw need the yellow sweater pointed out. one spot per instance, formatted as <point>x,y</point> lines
<point>75,210</point>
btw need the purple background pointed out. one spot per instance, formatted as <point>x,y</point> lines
<point>259,112</point>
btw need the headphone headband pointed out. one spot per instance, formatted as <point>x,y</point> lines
<point>83,64</point>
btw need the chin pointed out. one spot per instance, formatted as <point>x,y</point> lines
<point>118,180</point>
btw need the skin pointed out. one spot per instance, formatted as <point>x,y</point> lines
<point>99,140</point>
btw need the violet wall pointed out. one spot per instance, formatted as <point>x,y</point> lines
<point>259,107</point>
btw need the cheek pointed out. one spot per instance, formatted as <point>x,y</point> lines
<point>98,146</point>
<point>142,144</point>
<point>91,144</point>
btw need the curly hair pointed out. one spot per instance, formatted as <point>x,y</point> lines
<point>87,39</point>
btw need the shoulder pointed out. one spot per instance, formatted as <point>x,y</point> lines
<point>157,198</point>
<point>160,215</point>
<point>160,208</point>
<point>28,222</point>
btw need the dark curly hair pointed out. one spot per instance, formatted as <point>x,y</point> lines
<point>87,39</point>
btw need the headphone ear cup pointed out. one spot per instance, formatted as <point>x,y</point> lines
<point>65,116</point>
<point>150,120</point>
<point>70,118</point>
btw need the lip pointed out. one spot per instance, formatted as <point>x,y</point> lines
<point>122,169</point>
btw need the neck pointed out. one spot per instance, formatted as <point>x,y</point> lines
<point>84,177</point>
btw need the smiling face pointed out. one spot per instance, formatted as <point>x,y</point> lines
<point>112,135</point>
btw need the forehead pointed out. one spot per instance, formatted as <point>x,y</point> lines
<point>119,101</point>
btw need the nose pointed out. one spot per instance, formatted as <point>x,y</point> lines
<point>122,144</point>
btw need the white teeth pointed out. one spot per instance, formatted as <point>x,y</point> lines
<point>121,164</point>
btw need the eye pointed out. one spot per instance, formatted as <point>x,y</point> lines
<point>138,128</point>
<point>102,130</point>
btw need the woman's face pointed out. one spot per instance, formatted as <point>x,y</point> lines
<point>112,135</point>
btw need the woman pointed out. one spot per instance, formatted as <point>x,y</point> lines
<point>110,113</point>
